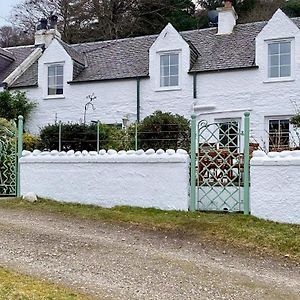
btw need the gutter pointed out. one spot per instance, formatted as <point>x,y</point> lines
<point>28,62</point>
<point>107,79</point>
<point>223,70</point>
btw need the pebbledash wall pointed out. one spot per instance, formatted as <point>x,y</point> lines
<point>275,186</point>
<point>135,178</point>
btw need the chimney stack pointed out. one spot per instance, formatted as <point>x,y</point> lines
<point>227,18</point>
<point>46,33</point>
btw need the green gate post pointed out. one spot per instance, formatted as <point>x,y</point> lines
<point>98,137</point>
<point>20,149</point>
<point>246,164</point>
<point>193,164</point>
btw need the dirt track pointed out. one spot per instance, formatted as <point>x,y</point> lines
<point>122,262</point>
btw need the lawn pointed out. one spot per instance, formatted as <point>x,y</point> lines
<point>16,286</point>
<point>234,230</point>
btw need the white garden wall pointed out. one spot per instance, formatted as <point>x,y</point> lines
<point>107,179</point>
<point>275,186</point>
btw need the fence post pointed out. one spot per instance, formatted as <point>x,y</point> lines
<point>59,136</point>
<point>136,136</point>
<point>20,149</point>
<point>98,137</point>
<point>193,164</point>
<point>246,164</point>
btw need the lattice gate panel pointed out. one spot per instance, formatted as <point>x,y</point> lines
<point>220,164</point>
<point>8,159</point>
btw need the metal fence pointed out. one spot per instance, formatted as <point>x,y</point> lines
<point>162,136</point>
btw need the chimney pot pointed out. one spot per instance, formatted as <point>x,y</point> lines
<point>228,4</point>
<point>43,25</point>
<point>53,21</point>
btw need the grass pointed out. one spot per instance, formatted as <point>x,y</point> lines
<point>15,286</point>
<point>235,230</point>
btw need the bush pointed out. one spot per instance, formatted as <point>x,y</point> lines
<point>13,104</point>
<point>79,137</point>
<point>295,120</point>
<point>163,130</point>
<point>31,142</point>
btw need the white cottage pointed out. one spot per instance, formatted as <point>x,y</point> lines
<point>216,73</point>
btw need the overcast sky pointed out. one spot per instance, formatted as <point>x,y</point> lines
<point>5,7</point>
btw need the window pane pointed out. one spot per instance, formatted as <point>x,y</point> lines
<point>60,70</point>
<point>273,48</point>
<point>51,91</point>
<point>174,70</point>
<point>165,81</point>
<point>174,81</point>
<point>51,71</point>
<point>165,71</point>
<point>285,59</point>
<point>51,81</point>
<point>174,59</point>
<point>273,72</point>
<point>164,60</point>
<point>274,60</point>
<point>59,80</point>
<point>285,71</point>
<point>285,47</point>
<point>59,91</point>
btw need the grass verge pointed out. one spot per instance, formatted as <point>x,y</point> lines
<point>236,230</point>
<point>15,286</point>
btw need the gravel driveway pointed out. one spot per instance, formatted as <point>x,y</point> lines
<point>124,262</point>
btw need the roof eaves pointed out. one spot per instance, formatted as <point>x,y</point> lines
<point>223,69</point>
<point>107,79</point>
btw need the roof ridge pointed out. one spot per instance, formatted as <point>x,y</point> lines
<point>115,40</point>
<point>19,47</point>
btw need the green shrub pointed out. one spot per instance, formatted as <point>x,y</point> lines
<point>163,130</point>
<point>81,137</point>
<point>295,120</point>
<point>31,142</point>
<point>13,104</point>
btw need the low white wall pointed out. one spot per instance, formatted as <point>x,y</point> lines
<point>275,186</point>
<point>107,179</point>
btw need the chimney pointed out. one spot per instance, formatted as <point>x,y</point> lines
<point>227,18</point>
<point>46,33</point>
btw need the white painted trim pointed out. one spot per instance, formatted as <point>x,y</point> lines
<point>169,88</point>
<point>28,62</point>
<point>279,79</point>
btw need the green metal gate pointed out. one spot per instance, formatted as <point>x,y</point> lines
<point>10,152</point>
<point>220,165</point>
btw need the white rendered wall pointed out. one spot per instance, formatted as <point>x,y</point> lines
<point>220,95</point>
<point>275,186</point>
<point>150,179</point>
<point>229,94</point>
<point>116,99</point>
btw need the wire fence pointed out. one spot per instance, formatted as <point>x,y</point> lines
<point>95,138</point>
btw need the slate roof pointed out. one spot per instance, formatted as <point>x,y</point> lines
<point>20,54</point>
<point>129,58</point>
<point>6,54</point>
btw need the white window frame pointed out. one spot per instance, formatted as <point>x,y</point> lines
<point>286,78</point>
<point>46,78</point>
<point>228,120</point>
<point>267,128</point>
<point>158,81</point>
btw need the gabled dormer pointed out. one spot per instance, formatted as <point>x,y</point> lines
<point>277,46</point>
<point>169,60</point>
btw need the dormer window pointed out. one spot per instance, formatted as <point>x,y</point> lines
<point>280,61</point>
<point>55,80</point>
<point>169,70</point>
